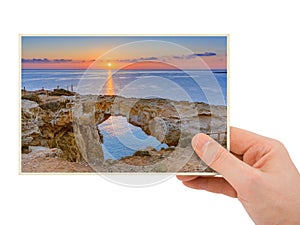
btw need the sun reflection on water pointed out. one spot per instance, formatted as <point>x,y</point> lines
<point>110,89</point>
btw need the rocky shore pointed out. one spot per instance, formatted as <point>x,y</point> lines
<point>67,125</point>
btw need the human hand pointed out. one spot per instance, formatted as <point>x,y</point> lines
<point>258,171</point>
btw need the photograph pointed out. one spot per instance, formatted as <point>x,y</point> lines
<point>114,104</point>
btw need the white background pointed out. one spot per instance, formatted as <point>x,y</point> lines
<point>264,55</point>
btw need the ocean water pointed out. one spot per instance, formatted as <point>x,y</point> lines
<point>121,138</point>
<point>196,86</point>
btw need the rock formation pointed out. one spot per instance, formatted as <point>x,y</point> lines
<point>70,123</point>
<point>50,126</point>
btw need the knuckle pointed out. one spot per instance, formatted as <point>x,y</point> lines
<point>219,157</point>
<point>273,143</point>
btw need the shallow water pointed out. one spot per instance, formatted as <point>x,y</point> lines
<point>123,139</point>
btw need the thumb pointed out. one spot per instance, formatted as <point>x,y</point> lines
<point>218,158</point>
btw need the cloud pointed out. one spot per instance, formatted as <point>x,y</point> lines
<point>195,55</point>
<point>134,60</point>
<point>177,57</point>
<point>149,58</point>
<point>45,60</point>
<point>125,60</point>
<point>83,61</point>
<point>206,54</point>
<point>61,60</point>
<point>137,60</point>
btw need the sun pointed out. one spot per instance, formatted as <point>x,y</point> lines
<point>109,64</point>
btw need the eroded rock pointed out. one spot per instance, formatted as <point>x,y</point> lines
<point>71,124</point>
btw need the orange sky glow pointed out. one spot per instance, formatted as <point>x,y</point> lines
<point>83,53</point>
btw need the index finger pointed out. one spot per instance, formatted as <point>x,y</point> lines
<point>241,140</point>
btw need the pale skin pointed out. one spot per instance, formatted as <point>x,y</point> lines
<point>258,171</point>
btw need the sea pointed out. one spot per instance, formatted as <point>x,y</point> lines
<point>120,137</point>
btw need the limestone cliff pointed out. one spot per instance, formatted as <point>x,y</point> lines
<point>70,123</point>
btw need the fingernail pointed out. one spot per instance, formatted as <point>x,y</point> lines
<point>206,148</point>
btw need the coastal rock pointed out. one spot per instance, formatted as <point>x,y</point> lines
<point>171,122</point>
<point>30,124</point>
<point>156,117</point>
<point>70,124</point>
<point>141,153</point>
<point>43,152</point>
<point>43,126</point>
<point>86,133</point>
<point>37,148</point>
<point>160,168</point>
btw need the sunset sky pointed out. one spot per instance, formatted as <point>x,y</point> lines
<point>114,52</point>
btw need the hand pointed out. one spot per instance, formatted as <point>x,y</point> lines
<point>258,171</point>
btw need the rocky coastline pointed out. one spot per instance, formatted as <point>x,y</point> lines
<point>62,127</point>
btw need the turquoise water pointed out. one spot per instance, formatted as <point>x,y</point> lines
<point>123,139</point>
